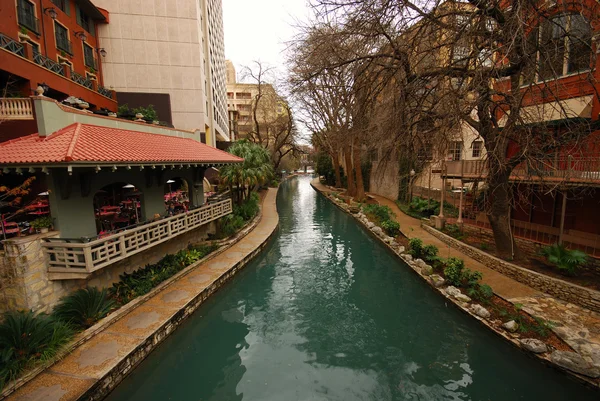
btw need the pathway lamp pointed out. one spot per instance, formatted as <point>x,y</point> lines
<point>411,181</point>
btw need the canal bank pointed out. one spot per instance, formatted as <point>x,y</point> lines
<point>577,327</point>
<point>119,342</point>
<point>326,313</point>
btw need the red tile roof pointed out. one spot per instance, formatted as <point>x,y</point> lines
<point>86,143</point>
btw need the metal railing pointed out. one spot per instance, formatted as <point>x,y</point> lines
<point>48,63</point>
<point>563,168</point>
<point>105,92</point>
<point>28,20</point>
<point>94,255</point>
<point>81,80</point>
<point>13,46</point>
<point>16,109</point>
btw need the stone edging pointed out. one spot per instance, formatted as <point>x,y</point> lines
<point>578,295</point>
<point>424,273</point>
<point>113,317</point>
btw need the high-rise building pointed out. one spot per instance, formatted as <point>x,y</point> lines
<point>169,48</point>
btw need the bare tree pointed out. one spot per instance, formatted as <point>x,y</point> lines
<point>493,65</point>
<point>273,124</point>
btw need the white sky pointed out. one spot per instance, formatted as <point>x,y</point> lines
<point>258,30</point>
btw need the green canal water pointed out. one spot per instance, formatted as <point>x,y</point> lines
<point>326,313</point>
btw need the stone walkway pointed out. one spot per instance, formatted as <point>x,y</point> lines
<point>76,374</point>
<point>577,326</point>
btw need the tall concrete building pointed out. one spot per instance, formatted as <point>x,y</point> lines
<point>174,48</point>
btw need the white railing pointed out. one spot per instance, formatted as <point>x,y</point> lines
<point>16,109</point>
<point>94,255</point>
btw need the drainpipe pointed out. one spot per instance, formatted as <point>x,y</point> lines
<point>441,215</point>
<point>562,217</point>
<point>460,204</point>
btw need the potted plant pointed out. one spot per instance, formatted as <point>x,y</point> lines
<point>42,224</point>
<point>24,34</point>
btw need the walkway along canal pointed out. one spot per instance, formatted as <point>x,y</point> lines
<point>327,313</point>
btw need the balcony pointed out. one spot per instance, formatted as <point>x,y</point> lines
<point>565,169</point>
<point>81,80</point>
<point>76,259</point>
<point>48,63</point>
<point>28,20</point>
<point>16,109</point>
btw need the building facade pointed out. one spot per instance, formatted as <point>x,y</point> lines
<point>173,48</point>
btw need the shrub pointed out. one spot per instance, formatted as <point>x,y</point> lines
<point>249,208</point>
<point>430,254</point>
<point>229,225</point>
<point>84,307</point>
<point>455,231</point>
<point>381,213</point>
<point>391,227</point>
<point>42,222</point>
<point>26,338</point>
<point>480,292</point>
<point>454,271</point>
<point>567,260</point>
<point>415,247</point>
<point>144,280</point>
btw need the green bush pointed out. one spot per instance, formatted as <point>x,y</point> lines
<point>567,260</point>
<point>26,338</point>
<point>249,208</point>
<point>142,281</point>
<point>391,227</point>
<point>454,271</point>
<point>429,254</point>
<point>379,212</point>
<point>455,231</point>
<point>84,307</point>
<point>480,292</point>
<point>415,247</point>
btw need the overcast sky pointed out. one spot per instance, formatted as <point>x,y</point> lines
<point>258,29</point>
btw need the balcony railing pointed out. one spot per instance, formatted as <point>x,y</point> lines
<point>105,92</point>
<point>68,257</point>
<point>16,109</point>
<point>13,46</point>
<point>569,168</point>
<point>81,80</point>
<point>28,20</point>
<point>48,63</point>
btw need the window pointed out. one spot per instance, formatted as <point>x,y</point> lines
<point>85,22</point>
<point>88,56</point>
<point>463,21</point>
<point>61,35</point>
<point>477,147</point>
<point>229,95</point>
<point>461,55</point>
<point>243,95</point>
<point>244,107</point>
<point>26,14</point>
<point>455,151</point>
<point>63,5</point>
<point>35,46</point>
<point>565,44</point>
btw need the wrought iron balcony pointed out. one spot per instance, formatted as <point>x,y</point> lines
<point>81,80</point>
<point>48,63</point>
<point>105,92</point>
<point>65,256</point>
<point>13,46</point>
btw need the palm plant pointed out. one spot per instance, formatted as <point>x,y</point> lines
<point>255,170</point>
<point>84,307</point>
<point>568,260</point>
<point>26,337</point>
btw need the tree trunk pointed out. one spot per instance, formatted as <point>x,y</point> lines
<point>336,168</point>
<point>360,185</point>
<point>349,170</point>
<point>499,214</point>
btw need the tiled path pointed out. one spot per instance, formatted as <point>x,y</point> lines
<point>71,377</point>
<point>578,327</point>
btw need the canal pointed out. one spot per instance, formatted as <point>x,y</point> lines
<point>326,313</point>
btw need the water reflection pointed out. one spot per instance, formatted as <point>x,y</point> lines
<point>325,313</point>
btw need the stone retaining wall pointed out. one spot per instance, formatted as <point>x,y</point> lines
<point>24,279</point>
<point>561,289</point>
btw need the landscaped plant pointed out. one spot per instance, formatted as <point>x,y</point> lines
<point>455,231</point>
<point>23,30</point>
<point>567,260</point>
<point>148,112</point>
<point>142,281</point>
<point>379,212</point>
<point>415,247</point>
<point>27,338</point>
<point>454,271</point>
<point>391,228</point>
<point>480,292</point>
<point>42,222</point>
<point>84,307</point>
